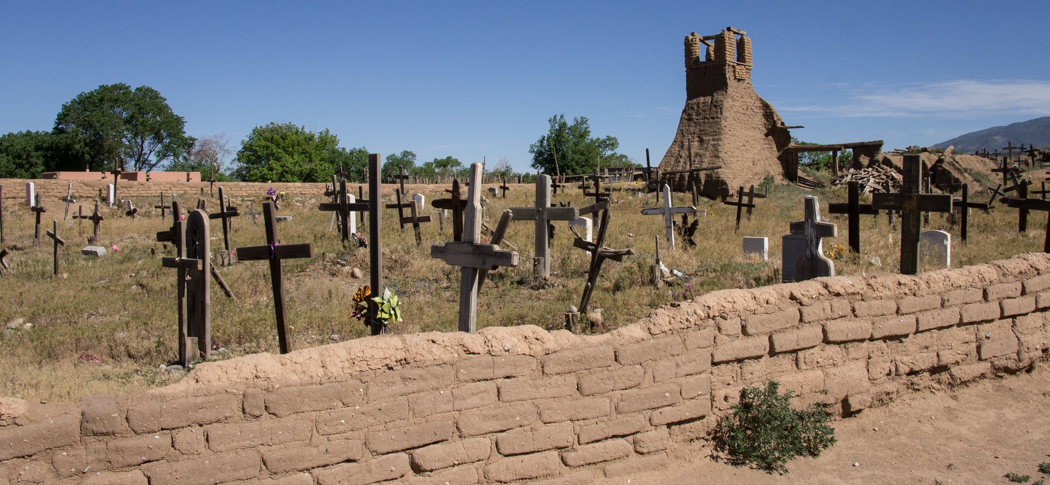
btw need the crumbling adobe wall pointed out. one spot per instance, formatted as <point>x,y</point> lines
<point>725,123</point>
<point>520,403</point>
<point>14,190</point>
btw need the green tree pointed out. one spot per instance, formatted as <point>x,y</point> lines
<point>820,160</point>
<point>405,159</point>
<point>134,129</point>
<point>570,149</point>
<point>24,154</point>
<point>446,167</point>
<point>503,169</point>
<point>354,162</point>
<point>288,153</point>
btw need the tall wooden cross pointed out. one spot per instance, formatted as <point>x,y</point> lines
<point>543,214</point>
<point>471,255</point>
<point>162,206</point>
<point>668,211</point>
<point>599,253</point>
<point>853,208</point>
<point>275,252</point>
<point>740,204</point>
<point>400,206</point>
<point>964,205</point>
<point>39,209</point>
<point>911,204</point>
<point>1036,205</point>
<point>457,205</point>
<point>225,213</point>
<point>68,199</point>
<point>415,219</point>
<point>1010,150</point>
<point>400,178</point>
<point>343,209</point>
<point>53,234</point>
<point>192,284</point>
<point>503,187</point>
<point>812,263</point>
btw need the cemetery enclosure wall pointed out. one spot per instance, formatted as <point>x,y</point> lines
<point>14,189</point>
<point>519,403</point>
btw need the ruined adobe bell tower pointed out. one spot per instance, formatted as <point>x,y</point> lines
<point>724,124</point>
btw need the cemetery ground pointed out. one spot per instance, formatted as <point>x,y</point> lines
<point>108,325</point>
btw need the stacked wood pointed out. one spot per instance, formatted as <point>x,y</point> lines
<point>873,179</point>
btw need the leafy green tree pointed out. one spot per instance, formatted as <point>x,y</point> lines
<point>24,154</point>
<point>820,160</point>
<point>405,159</point>
<point>288,153</point>
<point>570,149</point>
<point>134,129</point>
<point>446,167</point>
<point>353,161</point>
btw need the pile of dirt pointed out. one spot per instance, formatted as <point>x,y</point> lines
<point>951,169</point>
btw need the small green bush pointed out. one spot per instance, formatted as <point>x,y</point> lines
<point>764,431</point>
<point>1015,478</point>
<point>1044,467</point>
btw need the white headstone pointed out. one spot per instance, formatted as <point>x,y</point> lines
<point>794,247</point>
<point>935,248</point>
<point>110,194</point>
<point>588,228</point>
<point>96,251</point>
<point>352,216</point>
<point>419,201</point>
<point>757,246</point>
<point>30,193</point>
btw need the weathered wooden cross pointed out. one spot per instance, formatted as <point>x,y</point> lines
<point>964,205</point>
<point>599,253</point>
<point>471,255</point>
<point>39,209</point>
<point>813,263</point>
<point>457,205</point>
<point>225,213</point>
<point>1036,205</point>
<point>400,206</point>
<point>911,204</point>
<point>342,208</point>
<point>415,219</point>
<point>853,208</point>
<point>400,178</point>
<point>275,252</point>
<point>192,264</point>
<point>96,218</point>
<point>252,212</point>
<point>53,234</point>
<point>668,212</point>
<point>1010,150</point>
<point>740,204</point>
<point>68,199</point>
<point>163,207</point>
<point>1023,204</point>
<point>543,214</point>
<point>503,187</point>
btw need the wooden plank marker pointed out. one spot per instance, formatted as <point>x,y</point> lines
<point>472,256</point>
<point>668,212</point>
<point>194,319</point>
<point>53,234</point>
<point>275,252</point>
<point>543,214</point>
<point>911,204</point>
<point>38,209</point>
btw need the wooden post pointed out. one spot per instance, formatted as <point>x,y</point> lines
<point>668,212</point>
<point>911,204</point>
<point>53,234</point>
<point>38,209</point>
<point>189,345</point>
<point>853,208</point>
<point>375,245</point>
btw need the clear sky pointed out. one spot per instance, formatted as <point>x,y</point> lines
<point>480,79</point>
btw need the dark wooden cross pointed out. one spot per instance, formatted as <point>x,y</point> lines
<point>162,206</point>
<point>1009,174</point>
<point>96,218</point>
<point>3,261</point>
<point>503,187</point>
<point>740,204</point>
<point>1041,192</point>
<point>68,199</point>
<point>400,206</point>
<point>911,204</point>
<point>1036,205</point>
<point>252,212</point>
<point>202,204</point>
<point>211,186</point>
<point>415,219</point>
<point>964,206</point>
<point>543,214</point>
<point>471,255</point>
<point>39,209</point>
<point>1010,150</point>
<point>192,263</point>
<point>668,212</point>
<point>343,209</point>
<point>275,252</point>
<point>853,208</point>
<point>400,179</point>
<point>556,184</point>
<point>457,205</point>
<point>225,213</point>
<point>599,253</point>
<point>53,234</point>
<point>598,194</point>
<point>1023,204</point>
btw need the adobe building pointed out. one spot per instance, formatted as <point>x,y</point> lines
<point>728,136</point>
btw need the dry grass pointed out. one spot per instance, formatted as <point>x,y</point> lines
<point>121,308</point>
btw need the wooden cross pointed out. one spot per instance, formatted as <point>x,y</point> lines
<point>96,218</point>
<point>599,253</point>
<point>194,298</point>
<point>39,209</point>
<point>415,219</point>
<point>400,206</point>
<point>1010,150</point>
<point>1026,205</point>
<point>162,206</point>
<point>275,252</point>
<point>1041,192</point>
<point>668,212</point>
<point>504,188</point>
<point>3,262</point>
<point>225,213</point>
<point>854,209</point>
<point>740,204</point>
<point>68,199</point>
<point>556,184</point>
<point>400,180</point>
<point>342,208</point>
<point>598,194</point>
<point>457,205</point>
<point>211,186</point>
<point>472,256</point>
<point>964,206</point>
<point>543,214</point>
<point>252,212</point>
<point>911,204</point>
<point>1023,204</point>
<point>53,234</point>
<point>813,263</point>
<point>132,211</point>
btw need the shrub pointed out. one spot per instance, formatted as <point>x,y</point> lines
<point>764,431</point>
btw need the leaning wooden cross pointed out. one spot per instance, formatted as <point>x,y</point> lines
<point>911,204</point>
<point>964,205</point>
<point>39,209</point>
<point>599,253</point>
<point>854,209</point>
<point>53,234</point>
<point>225,213</point>
<point>415,219</point>
<point>471,255</point>
<point>400,206</point>
<point>740,204</point>
<point>192,264</point>
<point>457,205</point>
<point>342,207</point>
<point>274,252</point>
<point>543,214</point>
<point>668,212</point>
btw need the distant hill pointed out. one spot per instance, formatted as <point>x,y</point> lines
<point>1035,132</point>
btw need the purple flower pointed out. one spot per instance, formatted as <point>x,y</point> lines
<point>271,192</point>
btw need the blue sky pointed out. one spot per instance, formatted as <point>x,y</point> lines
<point>478,80</point>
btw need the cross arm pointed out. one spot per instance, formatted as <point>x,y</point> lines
<point>594,208</point>
<point>408,219</point>
<point>957,202</point>
<point>484,256</point>
<point>606,253</point>
<point>181,263</point>
<point>290,251</point>
<point>823,229</point>
<point>60,241</point>
<point>448,204</point>
<point>359,206</point>
<point>232,212</point>
<point>843,208</point>
<point>553,213</point>
<point>1030,204</point>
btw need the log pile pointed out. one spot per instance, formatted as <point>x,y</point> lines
<point>874,179</point>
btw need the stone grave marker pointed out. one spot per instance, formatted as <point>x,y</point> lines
<point>38,209</point>
<point>96,251</point>
<point>110,194</point>
<point>420,201</point>
<point>935,247</point>
<point>809,262</point>
<point>911,204</point>
<point>471,255</point>
<point>588,227</point>
<point>668,211</point>
<point>53,234</point>
<point>756,246</point>
<point>30,194</point>
<point>543,214</point>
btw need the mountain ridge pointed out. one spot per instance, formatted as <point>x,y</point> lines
<point>1032,132</point>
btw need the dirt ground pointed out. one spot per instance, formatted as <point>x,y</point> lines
<point>973,434</point>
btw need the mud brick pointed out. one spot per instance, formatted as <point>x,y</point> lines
<point>893,326</point>
<point>824,356</point>
<point>874,308</point>
<point>826,310</point>
<point>524,467</point>
<point>962,297</point>
<point>431,402</point>
<point>604,381</point>
<point>969,372</point>
<point>847,330</point>
<point>1033,322</point>
<point>360,417</point>
<point>912,304</point>
<point>138,450</point>
<point>460,475</point>
<point>980,312</point>
<point>1003,290</point>
<point>153,416</point>
<point>578,360</point>
<point>521,441</point>
<point>414,436</point>
<point>767,323</point>
<point>189,441</point>
<point>652,441</point>
<point>575,409</point>
<point>855,403</point>
<point>740,349</point>
<point>847,380</point>
<point>951,357</point>
<point>410,381</point>
<point>700,339</point>
<point>1042,300</point>
<point>474,368</point>
<point>802,338</point>
<point>879,367</point>
<point>133,477</point>
<point>304,457</point>
<point>254,402</point>
<point>597,453</point>
<point>996,339</point>
<point>803,382</point>
<point>514,366</point>
<point>381,468</point>
<point>729,326</point>
<point>690,363</point>
<point>918,362</point>
<point>445,455</point>
<point>286,401</point>
<point>653,397</point>
<point>502,418</point>
<point>16,441</point>
<point>474,395</point>
<point>657,348</point>
<point>225,467</point>
<point>932,319</point>
<point>225,437</point>
<point>695,386</point>
<point>524,388</point>
<point>766,367</point>
<point>687,411</point>
<point>637,464</point>
<point>1035,285</point>
<point>1017,306</point>
<point>579,477</point>
<point>622,426</point>
<point>101,415</point>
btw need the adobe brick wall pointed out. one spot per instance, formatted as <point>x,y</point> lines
<point>520,403</point>
<point>14,190</point>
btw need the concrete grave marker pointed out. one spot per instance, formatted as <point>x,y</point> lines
<point>30,193</point>
<point>588,227</point>
<point>935,247</point>
<point>420,199</point>
<point>111,193</point>
<point>96,251</point>
<point>811,263</point>
<point>756,246</point>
